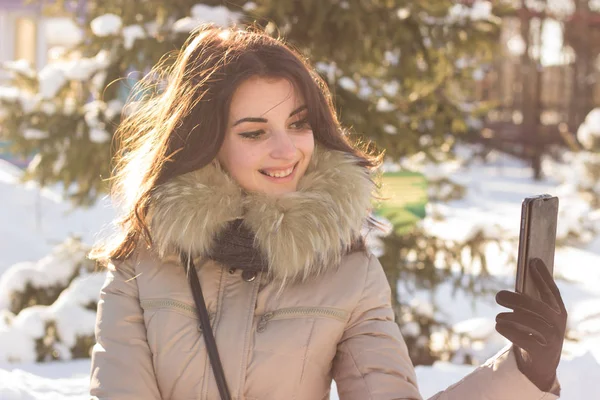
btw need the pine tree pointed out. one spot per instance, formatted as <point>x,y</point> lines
<point>401,73</point>
<point>586,161</point>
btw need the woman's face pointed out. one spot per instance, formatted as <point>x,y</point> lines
<point>267,134</point>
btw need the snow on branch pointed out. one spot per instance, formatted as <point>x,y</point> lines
<point>588,133</point>
<point>479,11</point>
<point>28,283</point>
<point>48,307</point>
<point>201,14</point>
<point>62,331</point>
<point>106,25</point>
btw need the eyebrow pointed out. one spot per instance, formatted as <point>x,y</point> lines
<point>254,119</point>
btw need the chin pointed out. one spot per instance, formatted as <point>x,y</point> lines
<point>280,191</point>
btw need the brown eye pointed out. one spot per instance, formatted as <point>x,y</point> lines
<point>251,135</point>
<point>301,124</point>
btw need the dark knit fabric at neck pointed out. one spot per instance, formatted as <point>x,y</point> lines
<point>234,248</point>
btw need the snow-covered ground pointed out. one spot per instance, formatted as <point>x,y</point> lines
<point>34,221</point>
<point>492,203</point>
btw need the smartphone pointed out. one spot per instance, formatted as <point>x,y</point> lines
<point>539,217</point>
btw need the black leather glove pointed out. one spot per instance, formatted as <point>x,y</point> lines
<point>536,328</point>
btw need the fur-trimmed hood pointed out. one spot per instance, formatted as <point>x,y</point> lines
<point>300,234</point>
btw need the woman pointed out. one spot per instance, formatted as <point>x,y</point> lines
<point>239,172</point>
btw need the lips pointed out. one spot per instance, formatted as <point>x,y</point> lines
<point>273,170</point>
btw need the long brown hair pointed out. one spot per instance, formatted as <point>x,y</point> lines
<point>181,129</point>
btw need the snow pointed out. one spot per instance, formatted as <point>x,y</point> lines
<point>201,14</point>
<point>478,74</point>
<point>18,345</point>
<point>55,75</point>
<point>51,78</point>
<point>20,66</point>
<point>151,28</point>
<point>92,115</point>
<point>479,10</point>
<point>516,45</point>
<point>187,24</point>
<point>347,84</point>
<point>403,13</point>
<point>69,312</point>
<point>328,69</point>
<point>29,101</point>
<point>50,381</point>
<point>34,134</point>
<point>62,30</point>
<point>365,90</point>
<point>106,25</point>
<point>34,220</point>
<point>589,131</point>
<point>220,15</point>
<point>432,171</point>
<point>391,88</point>
<point>390,129</point>
<point>98,135</point>
<point>131,33</point>
<point>9,93</point>
<point>249,6</point>
<point>491,206</point>
<point>92,111</point>
<point>55,268</point>
<point>48,107</point>
<point>98,82</point>
<point>383,105</point>
<point>69,105</point>
<point>82,69</point>
<point>392,57</point>
<point>113,108</point>
<point>59,163</point>
<point>576,174</point>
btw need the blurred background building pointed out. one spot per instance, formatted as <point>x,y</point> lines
<point>28,33</point>
<point>545,80</point>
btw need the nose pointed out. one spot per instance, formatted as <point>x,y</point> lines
<point>284,146</point>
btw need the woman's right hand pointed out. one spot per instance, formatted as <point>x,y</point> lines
<point>536,328</point>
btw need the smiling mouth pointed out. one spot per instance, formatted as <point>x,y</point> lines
<point>280,174</point>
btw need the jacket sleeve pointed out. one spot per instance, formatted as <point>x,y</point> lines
<point>372,360</point>
<point>122,367</point>
<point>498,378</point>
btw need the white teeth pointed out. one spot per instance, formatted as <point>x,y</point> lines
<point>280,174</point>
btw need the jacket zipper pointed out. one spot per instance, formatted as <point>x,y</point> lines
<point>299,312</point>
<point>149,304</point>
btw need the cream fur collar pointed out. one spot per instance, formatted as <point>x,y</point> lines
<point>301,234</point>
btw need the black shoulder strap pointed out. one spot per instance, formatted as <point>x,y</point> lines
<point>209,339</point>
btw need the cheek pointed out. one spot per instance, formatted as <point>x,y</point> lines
<point>238,160</point>
<point>245,163</point>
<point>306,144</point>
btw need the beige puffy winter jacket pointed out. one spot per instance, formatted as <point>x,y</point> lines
<point>332,318</point>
